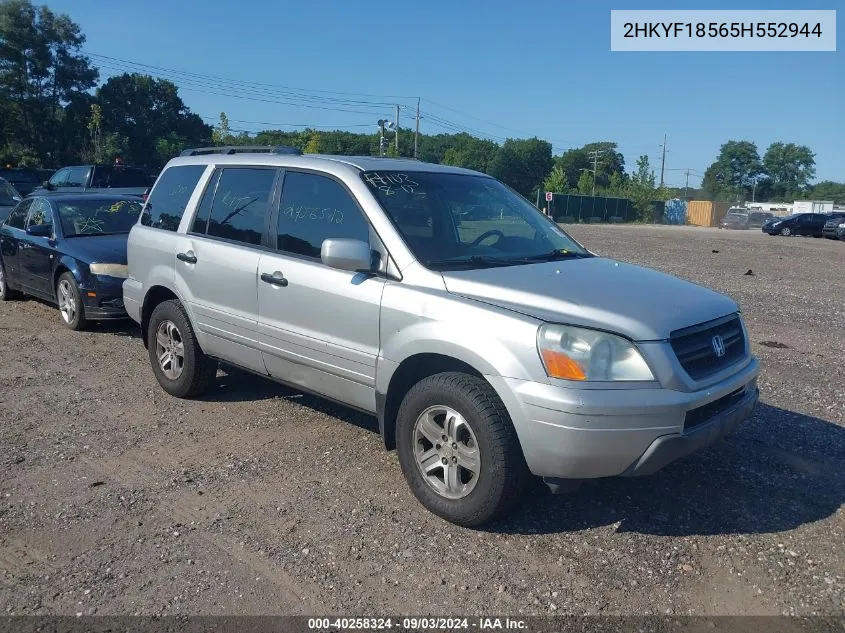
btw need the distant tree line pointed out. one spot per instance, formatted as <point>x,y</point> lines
<point>54,112</point>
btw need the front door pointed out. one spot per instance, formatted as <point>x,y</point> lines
<point>318,326</point>
<point>38,252</point>
<point>217,263</point>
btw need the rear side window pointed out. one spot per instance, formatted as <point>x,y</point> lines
<point>108,176</point>
<point>314,208</point>
<point>241,203</point>
<point>170,196</point>
<point>17,218</point>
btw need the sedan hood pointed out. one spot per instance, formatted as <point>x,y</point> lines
<point>640,303</point>
<point>107,249</point>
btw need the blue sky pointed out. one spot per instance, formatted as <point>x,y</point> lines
<point>497,68</point>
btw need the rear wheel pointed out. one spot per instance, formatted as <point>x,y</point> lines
<point>458,449</point>
<point>6,293</point>
<point>70,303</point>
<point>180,366</point>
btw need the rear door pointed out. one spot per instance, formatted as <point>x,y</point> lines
<point>11,234</point>
<point>318,326</point>
<point>217,262</point>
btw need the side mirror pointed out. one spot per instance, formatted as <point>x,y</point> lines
<point>40,230</point>
<point>46,184</point>
<point>346,254</point>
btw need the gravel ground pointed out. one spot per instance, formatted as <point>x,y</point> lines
<point>118,499</point>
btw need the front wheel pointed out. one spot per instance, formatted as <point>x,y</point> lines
<point>786,231</point>
<point>180,366</point>
<point>458,449</point>
<point>70,303</point>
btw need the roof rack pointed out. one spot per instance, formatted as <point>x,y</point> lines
<point>243,149</point>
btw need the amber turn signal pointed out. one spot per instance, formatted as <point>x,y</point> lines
<point>559,365</point>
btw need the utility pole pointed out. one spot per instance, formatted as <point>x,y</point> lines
<point>417,132</point>
<point>686,186</point>
<point>663,162</point>
<point>594,154</point>
<point>397,129</point>
<point>381,123</point>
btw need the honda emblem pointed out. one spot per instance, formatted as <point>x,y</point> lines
<point>718,344</point>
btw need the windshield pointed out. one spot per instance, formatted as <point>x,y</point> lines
<point>8,196</point>
<point>98,217</point>
<point>457,220</point>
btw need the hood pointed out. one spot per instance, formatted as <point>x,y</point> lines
<point>639,303</point>
<point>107,249</point>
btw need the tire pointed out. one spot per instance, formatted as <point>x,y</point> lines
<point>486,437</point>
<point>71,308</point>
<point>786,231</point>
<point>169,332</point>
<point>6,293</point>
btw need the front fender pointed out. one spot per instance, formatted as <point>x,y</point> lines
<point>494,341</point>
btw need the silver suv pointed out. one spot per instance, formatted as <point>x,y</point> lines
<point>488,342</point>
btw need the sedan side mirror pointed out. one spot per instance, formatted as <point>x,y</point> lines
<point>347,254</point>
<point>47,185</point>
<point>40,230</point>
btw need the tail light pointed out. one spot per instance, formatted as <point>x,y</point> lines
<point>145,195</point>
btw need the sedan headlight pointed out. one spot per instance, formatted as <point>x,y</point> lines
<point>575,353</point>
<point>842,226</point>
<point>110,270</point>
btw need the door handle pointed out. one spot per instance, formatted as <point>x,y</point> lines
<point>276,279</point>
<point>188,257</point>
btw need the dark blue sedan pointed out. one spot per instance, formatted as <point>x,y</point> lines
<point>70,250</point>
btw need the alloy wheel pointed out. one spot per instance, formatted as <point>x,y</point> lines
<point>446,452</point>
<point>170,350</point>
<point>67,301</point>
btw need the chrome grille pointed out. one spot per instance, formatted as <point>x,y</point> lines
<point>695,349</point>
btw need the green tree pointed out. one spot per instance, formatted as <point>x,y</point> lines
<point>221,134</point>
<point>585,183</point>
<point>523,164</point>
<point>789,168</point>
<point>145,110</point>
<point>556,181</point>
<point>609,162</point>
<point>732,176</point>
<point>829,190</point>
<point>41,71</point>
<point>641,190</point>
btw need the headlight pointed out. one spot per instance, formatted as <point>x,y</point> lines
<point>842,226</point>
<point>575,353</point>
<point>110,270</point>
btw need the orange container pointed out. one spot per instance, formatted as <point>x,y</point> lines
<point>705,212</point>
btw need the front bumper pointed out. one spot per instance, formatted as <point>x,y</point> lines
<point>103,298</point>
<point>576,433</point>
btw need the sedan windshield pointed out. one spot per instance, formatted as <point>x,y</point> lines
<point>467,221</point>
<point>98,217</point>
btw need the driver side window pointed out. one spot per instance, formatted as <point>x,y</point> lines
<point>60,177</point>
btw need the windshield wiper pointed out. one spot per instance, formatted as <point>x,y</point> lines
<point>482,261</point>
<point>561,253</point>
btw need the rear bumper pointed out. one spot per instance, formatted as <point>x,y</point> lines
<point>133,295</point>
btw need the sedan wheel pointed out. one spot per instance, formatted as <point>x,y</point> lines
<point>786,231</point>
<point>70,302</point>
<point>446,452</point>
<point>6,293</point>
<point>170,350</point>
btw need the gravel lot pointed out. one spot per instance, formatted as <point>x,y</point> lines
<point>118,499</point>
